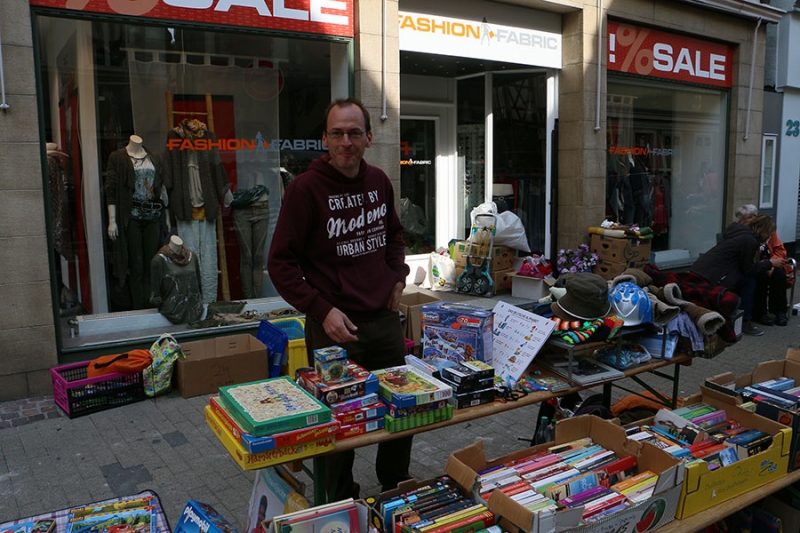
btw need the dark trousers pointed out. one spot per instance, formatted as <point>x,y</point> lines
<point>746,288</point>
<point>142,237</point>
<point>381,344</point>
<point>770,293</point>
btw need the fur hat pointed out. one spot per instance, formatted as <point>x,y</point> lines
<point>586,297</point>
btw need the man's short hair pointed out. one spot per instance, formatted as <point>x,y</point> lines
<point>744,211</point>
<point>344,102</point>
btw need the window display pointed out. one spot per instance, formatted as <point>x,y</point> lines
<point>156,132</point>
<point>665,165</point>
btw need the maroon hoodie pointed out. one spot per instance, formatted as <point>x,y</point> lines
<point>338,242</point>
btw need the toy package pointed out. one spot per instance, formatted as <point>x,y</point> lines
<point>456,332</point>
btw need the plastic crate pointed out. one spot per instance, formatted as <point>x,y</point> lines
<point>78,395</point>
<point>285,337</point>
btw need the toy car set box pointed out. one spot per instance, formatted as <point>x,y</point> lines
<point>456,332</point>
<point>646,515</point>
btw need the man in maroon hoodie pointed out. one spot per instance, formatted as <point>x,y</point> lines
<point>338,256</point>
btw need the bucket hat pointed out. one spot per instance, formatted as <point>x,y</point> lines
<point>586,297</point>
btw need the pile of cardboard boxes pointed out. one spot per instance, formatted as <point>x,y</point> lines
<point>615,255</point>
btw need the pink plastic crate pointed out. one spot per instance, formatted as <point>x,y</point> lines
<point>78,395</point>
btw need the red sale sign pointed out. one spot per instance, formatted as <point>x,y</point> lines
<point>659,54</point>
<point>324,17</point>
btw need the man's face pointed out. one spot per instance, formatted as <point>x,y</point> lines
<point>346,152</point>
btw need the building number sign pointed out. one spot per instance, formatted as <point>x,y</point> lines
<point>793,128</point>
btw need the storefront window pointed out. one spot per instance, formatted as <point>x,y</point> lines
<point>157,131</point>
<point>418,184</point>
<point>471,145</point>
<point>665,163</point>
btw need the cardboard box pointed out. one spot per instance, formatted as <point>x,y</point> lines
<point>530,288</point>
<point>213,363</point>
<point>410,305</point>
<point>616,250</point>
<point>464,465</point>
<point>788,367</point>
<point>704,488</point>
<point>457,332</point>
<point>609,271</point>
<point>502,257</point>
<point>500,278</point>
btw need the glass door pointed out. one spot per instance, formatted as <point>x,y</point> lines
<point>418,183</point>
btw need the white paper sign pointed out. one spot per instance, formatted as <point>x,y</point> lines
<point>518,337</point>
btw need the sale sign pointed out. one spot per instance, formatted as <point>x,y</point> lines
<point>648,52</point>
<point>324,17</point>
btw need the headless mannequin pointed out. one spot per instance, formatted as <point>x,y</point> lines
<point>175,244</point>
<point>134,149</point>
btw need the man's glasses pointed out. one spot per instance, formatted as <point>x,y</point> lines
<point>338,135</point>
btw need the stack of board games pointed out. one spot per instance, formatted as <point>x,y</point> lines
<point>361,383</point>
<point>414,399</point>
<point>359,415</point>
<point>436,506</point>
<point>271,421</point>
<point>138,514</point>
<point>472,383</point>
<point>577,474</point>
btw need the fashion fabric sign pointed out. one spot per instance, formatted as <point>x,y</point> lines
<point>325,17</point>
<point>479,40</point>
<point>648,52</point>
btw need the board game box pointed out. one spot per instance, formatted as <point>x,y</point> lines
<point>393,425</point>
<point>456,332</point>
<point>273,406</point>
<point>404,386</point>
<point>270,442</point>
<point>362,383</point>
<point>198,517</point>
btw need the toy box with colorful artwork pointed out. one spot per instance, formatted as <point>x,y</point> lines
<point>456,332</point>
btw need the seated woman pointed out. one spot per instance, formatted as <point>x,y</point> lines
<point>734,263</point>
<point>770,303</point>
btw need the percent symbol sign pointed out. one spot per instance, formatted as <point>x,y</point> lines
<point>627,36</point>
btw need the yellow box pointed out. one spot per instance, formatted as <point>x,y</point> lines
<point>502,257</point>
<point>254,461</point>
<point>295,328</point>
<point>704,488</point>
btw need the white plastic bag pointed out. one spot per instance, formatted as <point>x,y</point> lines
<point>441,272</point>
<point>509,229</point>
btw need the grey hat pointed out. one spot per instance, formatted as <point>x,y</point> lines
<point>586,298</point>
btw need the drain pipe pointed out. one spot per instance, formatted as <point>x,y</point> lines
<point>599,61</point>
<point>3,105</point>
<point>752,75</point>
<point>384,116</point>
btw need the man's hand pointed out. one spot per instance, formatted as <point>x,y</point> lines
<point>338,327</point>
<point>394,299</point>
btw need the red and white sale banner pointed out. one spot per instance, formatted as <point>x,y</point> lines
<point>659,54</point>
<point>323,17</point>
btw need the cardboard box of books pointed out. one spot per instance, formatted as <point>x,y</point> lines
<point>345,515</point>
<point>647,514</point>
<point>767,373</point>
<point>704,488</point>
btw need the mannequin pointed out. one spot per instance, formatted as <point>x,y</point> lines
<point>175,272</point>
<point>135,197</point>
<point>197,184</point>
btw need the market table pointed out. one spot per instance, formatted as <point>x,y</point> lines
<point>465,415</point>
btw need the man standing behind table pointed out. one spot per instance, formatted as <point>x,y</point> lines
<point>338,256</point>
